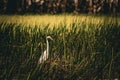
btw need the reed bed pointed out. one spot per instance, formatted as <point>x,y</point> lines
<point>84,47</point>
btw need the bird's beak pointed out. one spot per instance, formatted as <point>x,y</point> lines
<point>51,39</point>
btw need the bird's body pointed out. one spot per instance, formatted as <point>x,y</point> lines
<point>45,55</point>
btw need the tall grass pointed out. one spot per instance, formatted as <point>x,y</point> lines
<point>81,49</point>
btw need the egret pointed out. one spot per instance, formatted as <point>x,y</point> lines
<point>45,55</point>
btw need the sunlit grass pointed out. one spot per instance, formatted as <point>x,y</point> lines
<point>55,20</point>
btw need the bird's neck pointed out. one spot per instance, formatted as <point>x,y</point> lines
<point>47,46</point>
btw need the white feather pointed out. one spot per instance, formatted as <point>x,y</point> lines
<point>43,57</point>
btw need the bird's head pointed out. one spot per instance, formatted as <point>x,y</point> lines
<point>49,38</point>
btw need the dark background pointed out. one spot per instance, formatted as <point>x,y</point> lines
<point>59,6</point>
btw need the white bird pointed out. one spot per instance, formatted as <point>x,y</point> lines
<point>45,55</point>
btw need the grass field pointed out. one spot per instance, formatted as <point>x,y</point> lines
<point>85,47</point>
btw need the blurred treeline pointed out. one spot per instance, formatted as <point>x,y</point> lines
<point>59,6</point>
